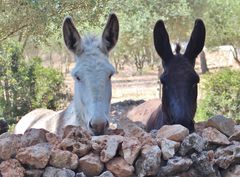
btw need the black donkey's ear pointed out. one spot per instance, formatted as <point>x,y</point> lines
<point>196,42</point>
<point>161,41</point>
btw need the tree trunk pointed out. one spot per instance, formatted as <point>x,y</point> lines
<point>116,64</point>
<point>203,62</point>
<point>7,99</point>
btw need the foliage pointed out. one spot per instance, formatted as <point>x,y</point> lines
<point>38,23</point>
<point>25,85</point>
<point>223,21</point>
<point>221,95</point>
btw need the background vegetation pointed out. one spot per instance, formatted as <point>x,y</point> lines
<point>36,26</point>
<point>221,92</point>
<point>26,85</point>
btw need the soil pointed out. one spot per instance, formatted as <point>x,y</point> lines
<point>120,109</point>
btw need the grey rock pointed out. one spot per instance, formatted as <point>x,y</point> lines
<point>9,145</point>
<point>33,173</point>
<point>225,156</point>
<point>203,164</point>
<point>223,124</point>
<point>80,174</point>
<point>168,148</point>
<point>57,172</point>
<point>235,136</point>
<point>192,143</point>
<point>33,136</point>
<point>175,166</point>
<point>234,171</point>
<point>106,174</point>
<point>213,136</point>
<point>149,162</point>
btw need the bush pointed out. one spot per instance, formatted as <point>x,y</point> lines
<point>24,85</point>
<point>221,95</point>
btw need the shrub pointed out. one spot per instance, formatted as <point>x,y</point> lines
<point>221,95</point>
<point>26,85</point>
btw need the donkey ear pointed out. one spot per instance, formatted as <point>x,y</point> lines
<point>196,42</point>
<point>71,36</point>
<point>110,33</point>
<point>161,41</point>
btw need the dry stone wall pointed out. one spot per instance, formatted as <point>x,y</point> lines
<point>212,151</point>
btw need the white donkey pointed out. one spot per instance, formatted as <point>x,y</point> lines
<point>92,88</point>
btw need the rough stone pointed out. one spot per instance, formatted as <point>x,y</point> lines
<point>232,172</point>
<point>9,146</point>
<point>168,148</point>
<point>199,127</point>
<point>237,128</point>
<point>53,139</point>
<point>130,149</point>
<point>77,133</point>
<point>33,136</point>
<point>172,132</point>
<point>99,142</point>
<point>34,173</point>
<point>111,147</point>
<point>149,162</point>
<point>223,124</point>
<point>5,135</point>
<point>119,167</point>
<point>63,159</point>
<point>235,136</point>
<point>133,130</point>
<point>214,136</point>
<point>91,165</point>
<point>76,139</point>
<point>79,148</point>
<point>56,172</point>
<point>191,143</point>
<point>174,166</point>
<point>11,168</point>
<point>36,156</point>
<point>116,131</point>
<point>225,156</point>
<point>106,174</point>
<point>80,174</point>
<point>203,164</point>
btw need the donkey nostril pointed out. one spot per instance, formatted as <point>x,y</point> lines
<point>98,128</point>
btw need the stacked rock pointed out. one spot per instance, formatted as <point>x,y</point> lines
<point>213,150</point>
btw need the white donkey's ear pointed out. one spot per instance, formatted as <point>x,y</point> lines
<point>110,33</point>
<point>71,36</point>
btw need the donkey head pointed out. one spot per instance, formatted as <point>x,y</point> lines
<point>92,73</point>
<point>179,79</point>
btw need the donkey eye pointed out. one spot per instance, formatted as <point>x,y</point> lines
<point>78,78</point>
<point>110,76</point>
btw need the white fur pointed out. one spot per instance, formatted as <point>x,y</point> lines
<point>92,94</point>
